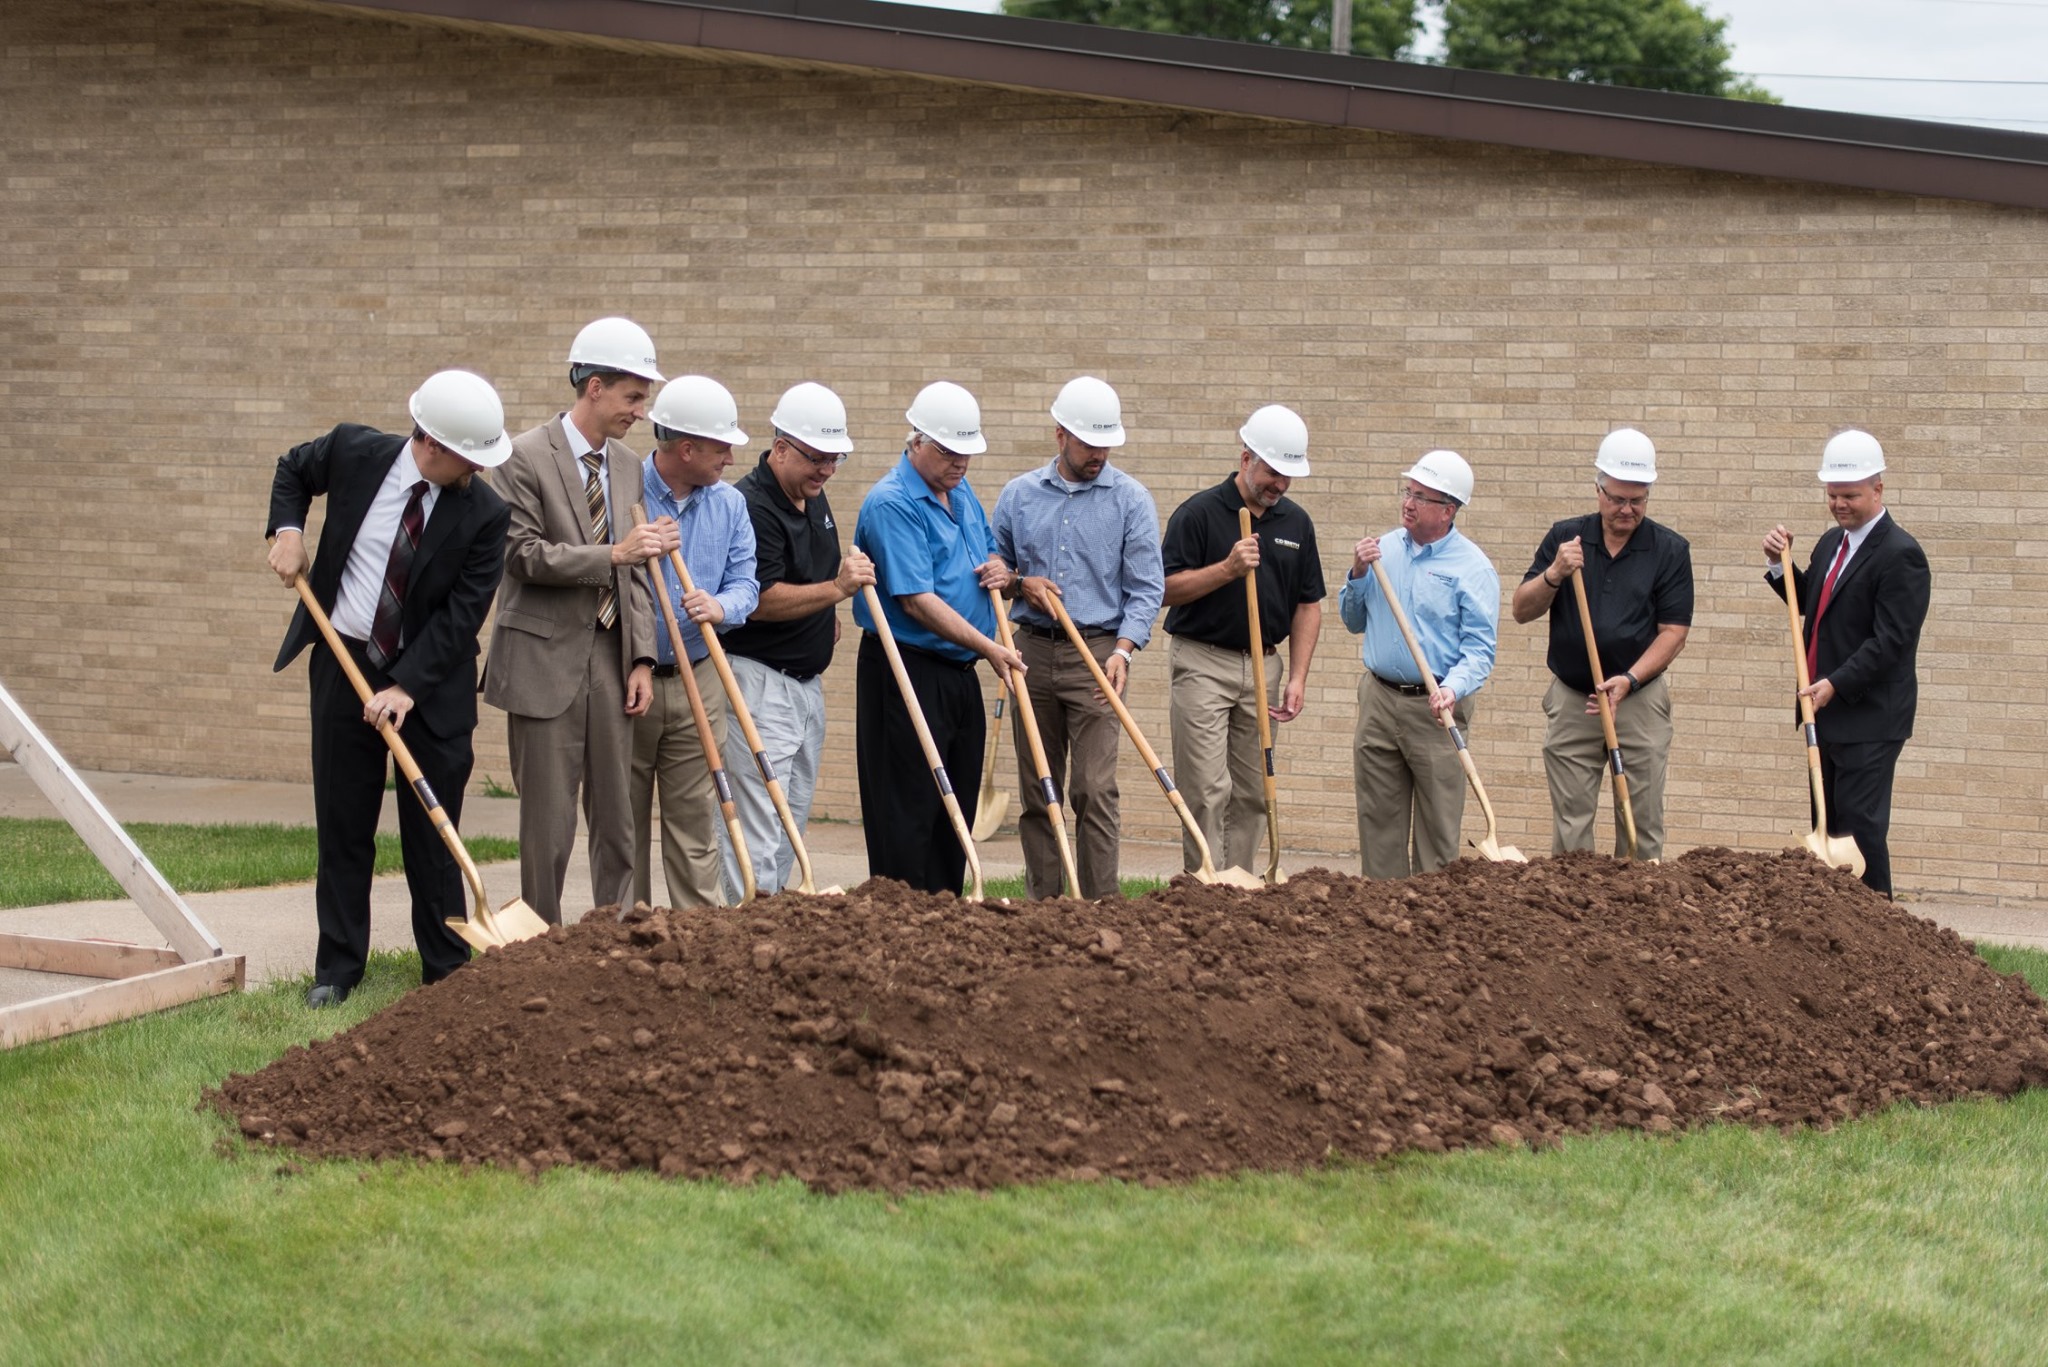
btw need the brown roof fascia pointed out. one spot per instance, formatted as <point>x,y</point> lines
<point>1996,166</point>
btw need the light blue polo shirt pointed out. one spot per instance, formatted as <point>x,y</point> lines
<point>919,547</point>
<point>1451,593</point>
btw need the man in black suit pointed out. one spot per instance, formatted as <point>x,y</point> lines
<point>410,557</point>
<point>1864,597</point>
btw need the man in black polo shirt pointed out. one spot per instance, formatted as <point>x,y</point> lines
<point>1639,585</point>
<point>1213,688</point>
<point>780,655</point>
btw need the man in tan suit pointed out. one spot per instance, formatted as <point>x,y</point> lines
<point>572,649</point>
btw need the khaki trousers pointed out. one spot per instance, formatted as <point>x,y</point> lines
<point>1079,732</point>
<point>1575,762</point>
<point>1216,760</point>
<point>588,746</point>
<point>669,753</point>
<point>1411,788</point>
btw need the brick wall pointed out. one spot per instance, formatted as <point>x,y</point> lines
<point>231,226</point>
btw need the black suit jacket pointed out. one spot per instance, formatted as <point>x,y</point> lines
<point>1870,634</point>
<point>454,574</point>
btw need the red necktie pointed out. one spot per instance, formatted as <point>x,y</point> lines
<point>384,630</point>
<point>1827,592</point>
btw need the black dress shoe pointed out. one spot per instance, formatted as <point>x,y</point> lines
<point>326,994</point>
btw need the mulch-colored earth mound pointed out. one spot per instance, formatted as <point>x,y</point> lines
<point>888,1038</point>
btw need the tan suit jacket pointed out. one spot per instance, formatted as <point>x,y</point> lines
<point>546,625</point>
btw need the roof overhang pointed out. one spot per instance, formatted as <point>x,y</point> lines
<point>1902,155</point>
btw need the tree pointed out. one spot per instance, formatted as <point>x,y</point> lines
<point>1651,44</point>
<point>1379,28</point>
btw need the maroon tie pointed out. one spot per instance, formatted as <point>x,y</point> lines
<point>398,569</point>
<point>1827,592</point>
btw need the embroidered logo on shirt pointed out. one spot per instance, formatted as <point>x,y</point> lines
<point>1290,545</point>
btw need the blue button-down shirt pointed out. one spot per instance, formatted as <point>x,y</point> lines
<point>920,547</point>
<point>1098,541</point>
<point>1451,593</point>
<point>718,546</point>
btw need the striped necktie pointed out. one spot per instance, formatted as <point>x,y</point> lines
<point>384,628</point>
<point>600,535</point>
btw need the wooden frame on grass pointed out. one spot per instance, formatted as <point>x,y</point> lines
<point>143,978</point>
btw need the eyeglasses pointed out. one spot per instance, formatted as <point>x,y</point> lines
<point>822,460</point>
<point>1409,495</point>
<point>1635,505</point>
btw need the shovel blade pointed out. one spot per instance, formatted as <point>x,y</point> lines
<point>1232,877</point>
<point>1836,851</point>
<point>473,933</point>
<point>989,814</point>
<point>518,921</point>
<point>1499,853</point>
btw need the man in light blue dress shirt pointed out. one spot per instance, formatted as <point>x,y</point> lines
<point>1085,531</point>
<point>1410,786</point>
<point>696,424</point>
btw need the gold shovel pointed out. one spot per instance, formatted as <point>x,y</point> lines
<point>1489,845</point>
<point>1046,789</point>
<point>1207,872</point>
<point>483,928</point>
<point>1258,663</point>
<point>924,738</point>
<point>659,588</point>
<point>1836,851</point>
<point>994,804</point>
<point>747,729</point>
<point>1621,802</point>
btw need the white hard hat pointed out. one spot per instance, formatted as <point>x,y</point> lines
<point>696,406</point>
<point>1446,472</point>
<point>464,414</point>
<point>1089,409</point>
<point>615,344</point>
<point>815,416</point>
<point>1851,457</point>
<point>949,415</point>
<point>1627,455</point>
<point>1277,436</point>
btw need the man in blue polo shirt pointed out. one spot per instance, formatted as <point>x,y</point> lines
<point>1083,530</point>
<point>935,562</point>
<point>1410,786</point>
<point>695,426</point>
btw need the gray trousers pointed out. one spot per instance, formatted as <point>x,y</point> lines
<point>669,753</point>
<point>1079,732</point>
<point>1410,786</point>
<point>790,719</point>
<point>588,746</point>
<point>1575,762</point>
<point>1216,760</point>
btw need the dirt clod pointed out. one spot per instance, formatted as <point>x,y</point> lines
<point>886,1038</point>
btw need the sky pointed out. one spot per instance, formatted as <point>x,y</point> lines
<point>1978,62</point>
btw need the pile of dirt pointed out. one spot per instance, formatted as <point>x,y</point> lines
<point>888,1038</point>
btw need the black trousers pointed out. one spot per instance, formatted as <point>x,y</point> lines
<point>1856,780</point>
<point>350,763</point>
<point>910,836</point>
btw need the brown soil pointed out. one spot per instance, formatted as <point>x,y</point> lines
<point>893,1039</point>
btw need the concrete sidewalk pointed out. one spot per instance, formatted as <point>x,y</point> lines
<point>274,927</point>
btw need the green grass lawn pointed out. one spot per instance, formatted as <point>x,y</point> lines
<point>139,1229</point>
<point>42,860</point>
<point>1014,887</point>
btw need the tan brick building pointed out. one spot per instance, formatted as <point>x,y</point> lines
<point>230,225</point>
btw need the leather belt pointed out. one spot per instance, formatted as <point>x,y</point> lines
<point>1404,689</point>
<point>1058,634</point>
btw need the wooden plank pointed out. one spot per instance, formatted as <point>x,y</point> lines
<point>83,958</point>
<point>103,835</point>
<point>103,1003</point>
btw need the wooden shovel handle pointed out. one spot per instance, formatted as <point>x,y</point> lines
<point>1028,716</point>
<point>1145,751</point>
<point>924,734</point>
<point>719,780</point>
<point>1628,815</point>
<point>436,813</point>
<point>1258,651</point>
<point>1802,682</point>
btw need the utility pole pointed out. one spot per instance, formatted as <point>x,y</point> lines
<point>1340,26</point>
